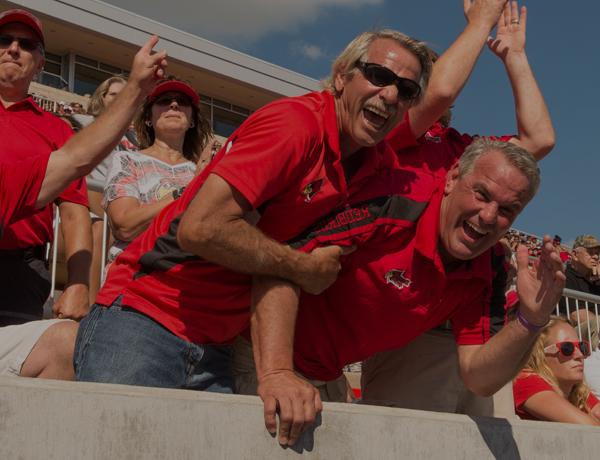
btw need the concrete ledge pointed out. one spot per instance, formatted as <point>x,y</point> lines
<point>64,420</point>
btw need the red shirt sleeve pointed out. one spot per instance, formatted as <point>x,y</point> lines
<point>270,150</point>
<point>401,136</point>
<point>76,192</point>
<point>591,401</point>
<point>20,184</point>
<point>526,385</point>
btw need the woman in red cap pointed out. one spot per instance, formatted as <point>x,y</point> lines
<point>172,133</point>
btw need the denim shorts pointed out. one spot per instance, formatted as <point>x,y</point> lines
<point>118,344</point>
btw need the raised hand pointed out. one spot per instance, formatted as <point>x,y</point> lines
<point>148,67</point>
<point>540,287</point>
<point>510,31</point>
<point>484,11</point>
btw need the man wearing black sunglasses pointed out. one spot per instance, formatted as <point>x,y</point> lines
<point>290,163</point>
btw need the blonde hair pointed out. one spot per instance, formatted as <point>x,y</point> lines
<point>358,49</point>
<point>96,105</point>
<point>537,363</point>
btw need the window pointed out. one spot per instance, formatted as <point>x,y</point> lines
<point>90,73</point>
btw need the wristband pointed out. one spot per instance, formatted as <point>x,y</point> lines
<point>528,325</point>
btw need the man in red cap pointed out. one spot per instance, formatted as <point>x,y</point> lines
<point>45,348</point>
<point>27,132</point>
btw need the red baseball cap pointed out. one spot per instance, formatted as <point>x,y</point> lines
<point>25,18</point>
<point>174,86</point>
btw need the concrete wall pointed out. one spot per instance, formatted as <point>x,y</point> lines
<point>64,420</point>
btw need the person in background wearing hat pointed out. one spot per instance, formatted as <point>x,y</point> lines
<point>28,131</point>
<point>172,133</point>
<point>582,276</point>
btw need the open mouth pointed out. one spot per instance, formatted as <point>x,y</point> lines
<point>377,118</point>
<point>473,232</point>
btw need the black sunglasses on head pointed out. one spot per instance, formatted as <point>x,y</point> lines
<point>26,44</point>
<point>181,100</point>
<point>381,76</point>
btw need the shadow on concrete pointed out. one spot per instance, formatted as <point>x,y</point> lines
<point>306,442</point>
<point>498,435</point>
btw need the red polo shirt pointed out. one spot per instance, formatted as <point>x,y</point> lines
<point>285,160</point>
<point>28,131</point>
<point>20,183</point>
<point>394,287</point>
<point>436,151</point>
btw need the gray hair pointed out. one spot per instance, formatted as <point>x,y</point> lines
<point>357,50</point>
<point>516,156</point>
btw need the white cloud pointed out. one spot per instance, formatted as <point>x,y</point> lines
<point>234,21</point>
<point>312,52</point>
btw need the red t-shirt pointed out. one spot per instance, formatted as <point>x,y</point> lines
<point>285,160</point>
<point>528,384</point>
<point>394,287</point>
<point>436,151</point>
<point>28,131</point>
<point>20,183</point>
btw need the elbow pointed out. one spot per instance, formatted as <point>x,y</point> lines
<point>541,145</point>
<point>194,236</point>
<point>478,386</point>
<point>123,233</point>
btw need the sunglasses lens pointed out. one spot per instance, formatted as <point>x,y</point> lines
<point>567,348</point>
<point>25,43</point>
<point>379,76</point>
<point>408,89</point>
<point>5,40</point>
<point>167,100</point>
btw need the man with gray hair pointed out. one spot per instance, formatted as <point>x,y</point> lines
<point>181,292</point>
<point>425,255</point>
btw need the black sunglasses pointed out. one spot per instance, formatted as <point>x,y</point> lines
<point>26,44</point>
<point>379,75</point>
<point>181,100</point>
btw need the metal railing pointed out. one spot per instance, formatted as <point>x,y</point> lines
<point>584,306</point>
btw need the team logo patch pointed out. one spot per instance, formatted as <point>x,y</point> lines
<point>311,190</point>
<point>397,279</point>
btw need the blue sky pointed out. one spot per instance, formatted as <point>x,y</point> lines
<point>305,35</point>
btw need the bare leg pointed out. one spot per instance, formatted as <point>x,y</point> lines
<point>52,355</point>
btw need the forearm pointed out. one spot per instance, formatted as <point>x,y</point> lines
<point>449,75</point>
<point>534,125</point>
<point>85,150</point>
<point>77,234</point>
<point>128,221</point>
<point>235,244</point>
<point>487,368</point>
<point>275,305</point>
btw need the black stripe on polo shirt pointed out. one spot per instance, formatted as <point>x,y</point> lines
<point>395,207</point>
<point>165,254</point>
